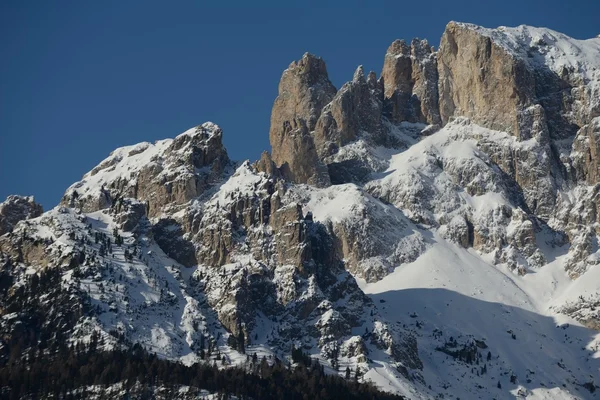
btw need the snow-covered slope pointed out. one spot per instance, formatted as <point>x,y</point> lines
<point>453,298</point>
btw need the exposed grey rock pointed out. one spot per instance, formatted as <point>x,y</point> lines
<point>304,89</point>
<point>15,209</point>
<point>168,234</point>
<point>410,79</point>
<point>176,172</point>
<point>129,213</point>
<point>586,152</point>
<point>480,80</point>
<point>356,108</point>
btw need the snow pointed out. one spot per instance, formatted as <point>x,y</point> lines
<point>560,49</point>
<point>467,294</point>
<point>455,291</point>
<point>244,182</point>
<point>336,203</point>
<point>428,180</point>
<point>123,163</point>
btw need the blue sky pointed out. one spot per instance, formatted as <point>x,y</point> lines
<point>80,78</point>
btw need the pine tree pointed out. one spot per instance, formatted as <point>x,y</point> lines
<point>242,342</point>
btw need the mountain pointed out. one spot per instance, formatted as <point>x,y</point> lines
<point>433,231</point>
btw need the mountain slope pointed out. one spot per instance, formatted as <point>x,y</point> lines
<point>433,231</point>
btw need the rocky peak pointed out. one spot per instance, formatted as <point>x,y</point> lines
<point>304,89</point>
<point>201,147</point>
<point>310,120</point>
<point>17,208</point>
<point>167,173</point>
<point>410,82</point>
<point>396,68</point>
<point>359,75</point>
<point>356,108</point>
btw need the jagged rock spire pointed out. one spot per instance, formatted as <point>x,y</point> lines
<point>410,82</point>
<point>310,120</point>
<point>304,89</point>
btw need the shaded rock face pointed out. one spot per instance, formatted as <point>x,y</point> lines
<point>168,234</point>
<point>15,209</point>
<point>129,213</point>
<point>304,89</point>
<point>576,214</point>
<point>355,112</point>
<point>586,153</point>
<point>410,79</point>
<point>356,108</point>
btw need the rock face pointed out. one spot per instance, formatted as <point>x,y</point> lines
<point>15,209</point>
<point>304,89</point>
<point>355,108</point>
<point>355,112</point>
<point>517,80</point>
<point>586,152</point>
<point>165,174</point>
<point>311,121</point>
<point>410,79</point>
<point>525,81</point>
<point>481,80</point>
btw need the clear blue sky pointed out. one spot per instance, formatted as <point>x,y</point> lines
<point>80,78</point>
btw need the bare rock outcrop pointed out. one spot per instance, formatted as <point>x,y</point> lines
<point>356,108</point>
<point>410,79</point>
<point>480,80</point>
<point>15,209</point>
<point>529,82</point>
<point>586,153</point>
<point>311,121</point>
<point>304,89</point>
<point>168,173</point>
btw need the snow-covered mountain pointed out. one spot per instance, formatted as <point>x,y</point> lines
<point>434,229</point>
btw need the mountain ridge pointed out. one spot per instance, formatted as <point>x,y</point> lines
<point>472,168</point>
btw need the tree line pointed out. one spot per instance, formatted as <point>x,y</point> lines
<point>66,373</point>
